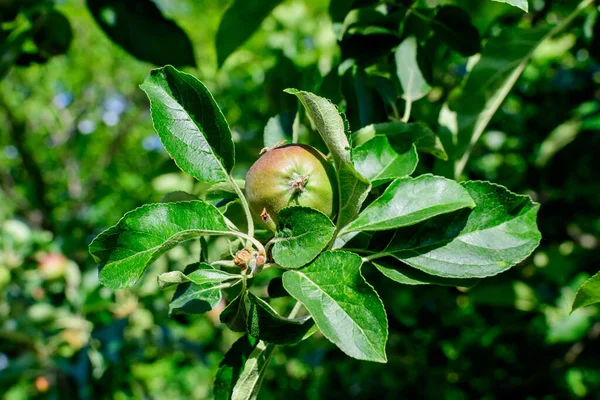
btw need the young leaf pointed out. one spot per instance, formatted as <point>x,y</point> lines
<point>302,232</point>
<point>125,250</point>
<point>253,373</point>
<point>202,292</point>
<point>588,293</point>
<point>239,22</point>
<point>453,25</point>
<point>401,135</point>
<point>406,275</point>
<point>498,233</point>
<point>266,324</point>
<point>408,201</point>
<point>346,309</point>
<point>232,366</point>
<point>169,279</point>
<point>328,121</point>
<point>413,83</point>
<point>190,124</point>
<point>522,4</point>
<point>140,28</point>
<point>377,161</point>
<point>235,314</point>
<point>354,188</point>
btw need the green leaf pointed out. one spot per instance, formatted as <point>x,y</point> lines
<point>497,234</point>
<point>522,4</point>
<point>406,275</point>
<point>252,374</point>
<point>239,23</point>
<point>190,124</point>
<point>235,314</point>
<point>328,121</point>
<point>302,232</point>
<point>266,324</point>
<point>502,61</point>
<point>232,365</point>
<point>202,291</point>
<point>453,26</point>
<point>401,135</point>
<point>278,128</point>
<point>353,187</point>
<point>377,161</point>
<point>413,83</point>
<point>346,309</point>
<point>139,28</point>
<point>408,201</point>
<point>588,293</point>
<point>169,279</point>
<point>125,250</point>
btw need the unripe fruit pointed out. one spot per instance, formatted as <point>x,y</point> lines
<point>290,175</point>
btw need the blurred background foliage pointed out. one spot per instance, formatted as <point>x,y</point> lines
<point>78,150</point>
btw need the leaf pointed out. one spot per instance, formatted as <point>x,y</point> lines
<point>453,26</point>
<point>401,135</point>
<point>408,201</point>
<point>235,314</point>
<point>253,373</point>
<point>302,232</point>
<point>139,28</point>
<point>346,309</point>
<point>497,234</point>
<point>202,292</point>
<point>279,128</point>
<point>588,293</point>
<point>190,124</point>
<point>522,4</point>
<point>353,188</point>
<point>239,23</point>
<point>467,115</point>
<point>325,117</point>
<point>232,365</point>
<point>413,83</point>
<point>406,275</point>
<point>125,250</point>
<point>169,279</point>
<point>377,161</point>
<point>179,195</point>
<point>363,106</point>
<point>266,324</point>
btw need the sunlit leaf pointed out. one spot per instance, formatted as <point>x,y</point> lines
<point>408,201</point>
<point>500,232</point>
<point>301,234</point>
<point>125,250</point>
<point>346,309</point>
<point>190,124</point>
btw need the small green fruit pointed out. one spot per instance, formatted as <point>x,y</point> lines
<point>290,175</point>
